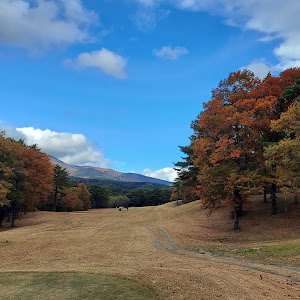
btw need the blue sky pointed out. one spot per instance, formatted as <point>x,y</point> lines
<point>116,83</point>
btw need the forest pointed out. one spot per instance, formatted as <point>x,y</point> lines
<point>117,186</point>
<point>246,141</point>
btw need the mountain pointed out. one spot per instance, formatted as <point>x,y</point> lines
<point>87,172</point>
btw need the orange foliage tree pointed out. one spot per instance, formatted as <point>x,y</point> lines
<point>232,134</point>
<point>223,144</point>
<point>25,177</point>
<point>70,201</point>
<point>6,172</point>
<point>75,198</point>
<point>39,181</point>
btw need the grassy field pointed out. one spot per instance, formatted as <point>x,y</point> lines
<point>107,254</point>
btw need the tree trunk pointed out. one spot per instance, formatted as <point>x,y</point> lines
<point>265,195</point>
<point>273,193</point>
<point>12,221</point>
<point>296,199</point>
<point>8,215</point>
<point>240,208</point>
<point>13,216</point>
<point>273,199</point>
<point>236,218</point>
<point>55,199</point>
<point>2,215</point>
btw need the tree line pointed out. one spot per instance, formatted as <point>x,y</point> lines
<point>245,141</point>
<point>29,181</point>
<point>116,186</point>
<point>103,197</point>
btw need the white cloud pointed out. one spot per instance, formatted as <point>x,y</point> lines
<point>169,53</point>
<point>148,15</point>
<point>105,60</point>
<point>74,149</point>
<point>275,19</point>
<point>259,68</point>
<point>168,174</point>
<point>39,24</point>
<point>145,19</point>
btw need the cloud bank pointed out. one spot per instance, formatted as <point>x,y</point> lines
<point>169,53</point>
<point>74,149</point>
<point>168,174</point>
<point>107,61</point>
<point>37,25</point>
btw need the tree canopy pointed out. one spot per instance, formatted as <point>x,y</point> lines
<point>245,140</point>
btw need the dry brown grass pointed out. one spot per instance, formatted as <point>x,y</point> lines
<point>269,239</point>
<point>122,244</point>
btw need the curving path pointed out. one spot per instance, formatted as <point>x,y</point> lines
<point>290,273</point>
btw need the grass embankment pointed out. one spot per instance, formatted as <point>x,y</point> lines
<point>116,249</point>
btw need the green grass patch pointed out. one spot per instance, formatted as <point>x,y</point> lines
<point>220,239</point>
<point>48,286</point>
<point>273,250</point>
<point>249,251</point>
<point>4,244</point>
<point>217,250</point>
<point>279,254</point>
<point>282,250</point>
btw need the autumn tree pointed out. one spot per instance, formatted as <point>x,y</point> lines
<point>84,195</point>
<point>230,136</point>
<point>271,99</point>
<point>39,177</point>
<point>70,201</point>
<point>222,145</point>
<point>6,172</point>
<point>286,153</point>
<point>16,194</point>
<point>25,177</point>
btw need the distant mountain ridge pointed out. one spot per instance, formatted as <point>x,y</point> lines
<point>87,172</point>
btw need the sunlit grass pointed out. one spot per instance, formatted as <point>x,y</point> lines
<point>73,251</point>
<point>276,253</point>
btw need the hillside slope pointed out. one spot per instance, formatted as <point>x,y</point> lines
<point>88,172</point>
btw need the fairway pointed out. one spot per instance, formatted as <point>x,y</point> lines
<point>141,254</point>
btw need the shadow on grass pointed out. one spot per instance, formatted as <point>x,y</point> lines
<point>46,286</point>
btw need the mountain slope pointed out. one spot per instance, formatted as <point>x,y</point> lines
<point>87,172</point>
